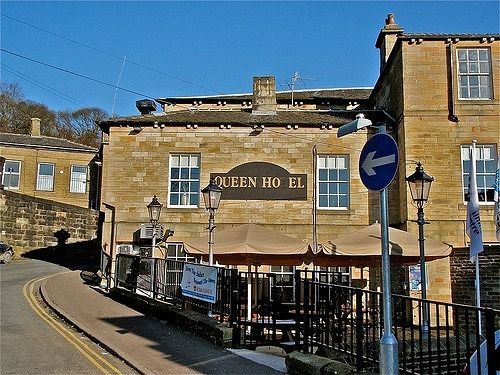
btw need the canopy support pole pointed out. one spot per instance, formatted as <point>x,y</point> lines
<point>249,293</point>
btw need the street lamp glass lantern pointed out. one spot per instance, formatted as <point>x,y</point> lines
<point>420,185</point>
<point>154,208</point>
<point>211,195</point>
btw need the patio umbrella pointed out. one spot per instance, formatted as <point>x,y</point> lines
<point>251,244</point>
<point>363,249</point>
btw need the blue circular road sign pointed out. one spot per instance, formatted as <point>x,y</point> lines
<point>378,162</point>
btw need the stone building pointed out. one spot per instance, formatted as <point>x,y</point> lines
<point>173,155</point>
<point>443,91</point>
<point>281,164</point>
<point>49,168</point>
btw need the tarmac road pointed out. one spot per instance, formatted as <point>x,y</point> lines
<point>33,340</point>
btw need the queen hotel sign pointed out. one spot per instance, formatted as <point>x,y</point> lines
<point>261,181</point>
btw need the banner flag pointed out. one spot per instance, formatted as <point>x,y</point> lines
<point>496,196</point>
<point>199,282</point>
<point>473,227</point>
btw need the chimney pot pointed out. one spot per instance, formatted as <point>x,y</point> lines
<point>264,96</point>
<point>387,38</point>
<point>35,127</point>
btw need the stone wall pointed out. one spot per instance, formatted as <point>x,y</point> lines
<point>463,274</point>
<point>28,223</point>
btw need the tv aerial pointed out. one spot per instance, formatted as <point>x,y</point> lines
<point>297,78</point>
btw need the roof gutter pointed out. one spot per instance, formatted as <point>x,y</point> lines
<point>93,151</point>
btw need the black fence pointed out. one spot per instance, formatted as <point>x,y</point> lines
<point>160,279</point>
<point>326,315</point>
<point>348,323</point>
<point>268,303</point>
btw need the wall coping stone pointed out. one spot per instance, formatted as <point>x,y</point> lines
<point>33,199</point>
<point>298,363</point>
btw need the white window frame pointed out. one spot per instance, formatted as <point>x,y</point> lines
<point>78,180</point>
<point>179,251</point>
<point>476,70</point>
<point>486,163</point>
<point>281,272</point>
<point>332,185</point>
<point>184,197</point>
<point>6,172</point>
<point>40,182</point>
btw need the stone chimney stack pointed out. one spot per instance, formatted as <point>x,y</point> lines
<point>264,96</point>
<point>35,127</point>
<point>387,38</point>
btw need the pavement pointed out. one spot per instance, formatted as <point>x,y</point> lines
<point>146,344</point>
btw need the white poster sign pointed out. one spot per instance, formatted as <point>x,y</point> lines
<point>199,282</point>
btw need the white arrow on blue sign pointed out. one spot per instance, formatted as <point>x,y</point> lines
<point>378,162</point>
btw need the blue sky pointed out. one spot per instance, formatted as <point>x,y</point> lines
<point>206,48</point>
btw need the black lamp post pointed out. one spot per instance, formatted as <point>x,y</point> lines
<point>211,196</point>
<point>154,209</point>
<point>420,186</point>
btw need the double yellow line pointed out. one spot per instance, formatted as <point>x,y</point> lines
<point>95,358</point>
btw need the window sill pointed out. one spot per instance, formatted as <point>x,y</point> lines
<point>482,206</point>
<point>183,208</point>
<point>334,211</point>
<point>475,101</point>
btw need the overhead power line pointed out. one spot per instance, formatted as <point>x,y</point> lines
<point>150,97</point>
<point>111,54</point>
<point>42,85</point>
<point>75,74</point>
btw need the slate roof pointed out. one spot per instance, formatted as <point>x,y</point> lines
<point>341,94</point>
<point>243,118</point>
<point>431,36</point>
<point>26,140</point>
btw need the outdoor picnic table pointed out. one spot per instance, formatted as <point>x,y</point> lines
<point>266,322</point>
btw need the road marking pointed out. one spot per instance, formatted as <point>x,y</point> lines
<point>95,358</point>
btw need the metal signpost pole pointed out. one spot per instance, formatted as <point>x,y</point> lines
<point>388,342</point>
<point>378,165</point>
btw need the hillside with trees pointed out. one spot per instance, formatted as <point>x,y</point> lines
<point>78,126</point>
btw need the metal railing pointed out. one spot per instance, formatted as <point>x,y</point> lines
<point>268,313</point>
<point>160,279</point>
<point>263,309</point>
<point>348,321</point>
<point>341,320</point>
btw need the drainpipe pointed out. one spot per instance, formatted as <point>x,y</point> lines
<point>315,210</point>
<point>112,245</point>
<point>451,86</point>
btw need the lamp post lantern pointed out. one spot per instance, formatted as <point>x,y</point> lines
<point>211,195</point>
<point>420,186</point>
<point>154,210</point>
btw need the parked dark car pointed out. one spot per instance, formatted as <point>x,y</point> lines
<point>6,252</point>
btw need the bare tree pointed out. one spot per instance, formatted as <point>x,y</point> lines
<point>79,126</point>
<point>16,113</point>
